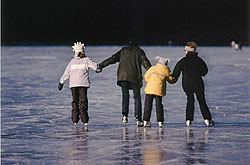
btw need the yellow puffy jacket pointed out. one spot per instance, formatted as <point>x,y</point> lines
<point>156,78</point>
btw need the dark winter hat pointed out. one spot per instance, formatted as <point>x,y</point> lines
<point>133,42</point>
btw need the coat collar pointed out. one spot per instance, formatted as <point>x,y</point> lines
<point>192,54</point>
<point>161,65</point>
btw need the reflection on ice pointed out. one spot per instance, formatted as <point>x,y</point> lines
<point>196,148</point>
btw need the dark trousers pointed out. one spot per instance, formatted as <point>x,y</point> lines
<point>126,86</point>
<point>79,104</point>
<point>198,90</point>
<point>148,108</point>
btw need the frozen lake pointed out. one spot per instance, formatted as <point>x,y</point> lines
<point>36,124</point>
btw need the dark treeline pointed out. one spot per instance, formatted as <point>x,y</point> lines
<point>101,22</point>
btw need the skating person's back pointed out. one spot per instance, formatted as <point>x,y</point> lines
<point>130,60</point>
<point>156,78</point>
<point>77,71</point>
<point>129,76</point>
<point>193,68</point>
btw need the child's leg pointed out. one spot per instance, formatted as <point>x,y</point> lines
<point>75,104</point>
<point>83,104</point>
<point>190,106</point>
<point>148,107</point>
<point>159,109</point>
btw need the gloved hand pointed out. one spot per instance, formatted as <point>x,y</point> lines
<point>99,69</point>
<point>171,79</point>
<point>60,86</point>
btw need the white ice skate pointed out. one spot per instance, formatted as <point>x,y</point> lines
<point>124,120</point>
<point>209,123</point>
<point>147,124</point>
<point>160,124</point>
<point>74,124</point>
<point>188,123</point>
<point>139,123</point>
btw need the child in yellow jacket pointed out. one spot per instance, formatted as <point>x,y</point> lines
<point>156,78</point>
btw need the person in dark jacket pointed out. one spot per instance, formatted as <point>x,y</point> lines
<point>193,68</point>
<point>129,76</point>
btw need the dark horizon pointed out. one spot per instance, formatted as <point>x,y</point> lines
<point>113,22</point>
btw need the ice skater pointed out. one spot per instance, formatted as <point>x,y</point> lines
<point>156,83</point>
<point>129,76</point>
<point>193,68</point>
<point>236,46</point>
<point>77,71</point>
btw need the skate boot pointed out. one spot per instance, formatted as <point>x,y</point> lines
<point>85,126</point>
<point>74,124</point>
<point>160,124</point>
<point>124,119</point>
<point>147,124</point>
<point>188,123</point>
<point>139,123</point>
<point>209,123</point>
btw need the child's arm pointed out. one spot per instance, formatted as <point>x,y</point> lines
<point>66,74</point>
<point>170,79</point>
<point>92,64</point>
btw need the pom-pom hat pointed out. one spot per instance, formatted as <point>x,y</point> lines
<point>162,60</point>
<point>78,47</point>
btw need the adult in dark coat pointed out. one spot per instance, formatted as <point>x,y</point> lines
<point>193,68</point>
<point>129,76</point>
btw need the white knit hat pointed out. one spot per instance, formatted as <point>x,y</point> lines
<point>78,47</point>
<point>163,60</point>
<point>187,48</point>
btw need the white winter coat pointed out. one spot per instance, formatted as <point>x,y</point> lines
<point>77,72</point>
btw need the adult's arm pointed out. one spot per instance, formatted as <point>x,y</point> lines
<point>144,61</point>
<point>111,60</point>
<point>176,72</point>
<point>203,68</point>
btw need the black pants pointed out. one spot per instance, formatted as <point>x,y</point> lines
<point>79,104</point>
<point>198,90</point>
<point>148,108</point>
<point>126,86</point>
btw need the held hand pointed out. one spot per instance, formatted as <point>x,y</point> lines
<point>99,69</point>
<point>60,86</point>
<point>171,79</point>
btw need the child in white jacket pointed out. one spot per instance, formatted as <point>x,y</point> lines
<point>77,72</point>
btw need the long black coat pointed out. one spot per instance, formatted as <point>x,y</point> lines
<point>192,68</point>
<point>130,60</point>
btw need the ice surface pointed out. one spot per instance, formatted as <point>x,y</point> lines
<point>36,122</point>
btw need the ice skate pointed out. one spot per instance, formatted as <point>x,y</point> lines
<point>209,123</point>
<point>124,120</point>
<point>139,123</point>
<point>147,124</point>
<point>160,124</point>
<point>74,124</point>
<point>188,123</point>
<point>85,126</point>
